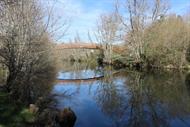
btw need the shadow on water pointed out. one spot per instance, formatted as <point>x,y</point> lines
<point>132,99</point>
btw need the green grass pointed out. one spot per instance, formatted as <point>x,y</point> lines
<point>12,115</point>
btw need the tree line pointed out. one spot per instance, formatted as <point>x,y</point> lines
<point>150,36</point>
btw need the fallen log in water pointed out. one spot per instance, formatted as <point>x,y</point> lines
<point>91,79</point>
<point>82,79</point>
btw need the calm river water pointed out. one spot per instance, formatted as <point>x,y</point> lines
<point>124,98</point>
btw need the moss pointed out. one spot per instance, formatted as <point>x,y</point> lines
<point>13,115</point>
<point>27,116</point>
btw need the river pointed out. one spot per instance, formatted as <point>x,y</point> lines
<point>123,98</point>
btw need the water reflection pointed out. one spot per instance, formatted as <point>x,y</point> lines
<point>110,96</point>
<point>131,99</point>
<point>79,71</point>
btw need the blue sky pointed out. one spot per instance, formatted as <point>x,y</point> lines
<point>84,14</point>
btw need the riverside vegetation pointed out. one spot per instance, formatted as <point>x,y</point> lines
<point>26,51</point>
<point>148,37</point>
<point>151,37</point>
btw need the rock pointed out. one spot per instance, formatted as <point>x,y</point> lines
<point>67,118</point>
<point>33,108</point>
<point>48,118</point>
<point>170,66</point>
<point>52,117</point>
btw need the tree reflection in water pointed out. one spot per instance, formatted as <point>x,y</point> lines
<point>111,97</point>
<point>132,99</point>
<point>145,100</point>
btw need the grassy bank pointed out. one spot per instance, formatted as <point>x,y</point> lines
<point>13,114</point>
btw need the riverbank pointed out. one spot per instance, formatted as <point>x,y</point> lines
<point>119,64</point>
<point>41,114</point>
<point>13,114</point>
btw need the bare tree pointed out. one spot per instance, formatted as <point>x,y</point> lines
<point>139,15</point>
<point>25,39</point>
<point>108,33</point>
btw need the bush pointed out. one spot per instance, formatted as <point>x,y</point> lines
<point>166,43</point>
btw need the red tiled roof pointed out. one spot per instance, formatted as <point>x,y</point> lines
<point>77,46</point>
<point>117,49</point>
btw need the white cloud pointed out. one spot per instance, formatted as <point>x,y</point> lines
<point>83,19</point>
